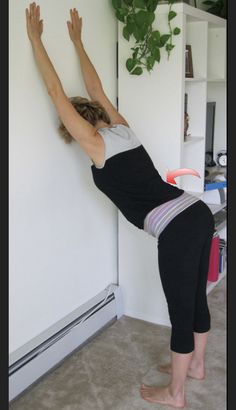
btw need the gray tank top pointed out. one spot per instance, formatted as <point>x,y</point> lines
<point>118,138</point>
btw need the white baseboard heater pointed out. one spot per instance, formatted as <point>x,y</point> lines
<point>39,356</point>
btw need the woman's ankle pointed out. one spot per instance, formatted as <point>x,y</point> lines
<point>176,392</point>
<point>196,363</point>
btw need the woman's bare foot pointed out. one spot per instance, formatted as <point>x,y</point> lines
<point>162,395</point>
<point>197,372</point>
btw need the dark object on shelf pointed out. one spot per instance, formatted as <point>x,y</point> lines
<point>216,173</point>
<point>186,124</point>
<point>188,62</point>
<point>185,102</point>
<point>223,255</point>
<point>176,1</point>
<point>209,162</point>
<point>210,128</point>
<point>217,7</point>
<point>206,173</point>
<point>186,116</point>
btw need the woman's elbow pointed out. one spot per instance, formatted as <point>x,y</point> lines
<point>55,92</point>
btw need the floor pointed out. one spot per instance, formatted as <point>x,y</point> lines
<point>107,372</point>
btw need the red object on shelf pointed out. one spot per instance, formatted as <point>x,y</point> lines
<point>214,266</point>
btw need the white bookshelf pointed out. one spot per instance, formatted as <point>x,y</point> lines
<point>190,139</point>
<point>216,208</point>
<point>195,79</point>
<point>206,34</point>
<point>154,107</point>
<point>222,232</point>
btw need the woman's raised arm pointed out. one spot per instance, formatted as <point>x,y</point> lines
<point>91,79</point>
<point>80,129</point>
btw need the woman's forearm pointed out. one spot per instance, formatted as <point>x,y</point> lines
<point>90,76</point>
<point>50,77</point>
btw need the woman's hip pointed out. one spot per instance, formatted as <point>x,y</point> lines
<point>194,223</point>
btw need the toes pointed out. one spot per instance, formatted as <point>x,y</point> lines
<point>145,387</point>
<point>149,390</point>
<point>145,395</point>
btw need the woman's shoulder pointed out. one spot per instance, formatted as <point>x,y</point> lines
<point>119,131</point>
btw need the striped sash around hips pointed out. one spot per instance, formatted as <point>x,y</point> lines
<point>156,220</point>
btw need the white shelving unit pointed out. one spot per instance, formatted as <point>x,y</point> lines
<point>221,228</point>
<point>216,208</point>
<point>154,107</point>
<point>190,139</point>
<point>206,34</point>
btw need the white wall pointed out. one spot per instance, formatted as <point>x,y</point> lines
<point>63,231</point>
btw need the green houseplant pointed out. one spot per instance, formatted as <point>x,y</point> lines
<point>138,17</point>
<point>217,7</point>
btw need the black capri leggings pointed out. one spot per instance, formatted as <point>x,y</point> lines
<point>183,257</point>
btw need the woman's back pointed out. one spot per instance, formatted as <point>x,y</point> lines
<point>128,176</point>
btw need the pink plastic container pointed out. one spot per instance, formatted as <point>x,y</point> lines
<point>214,266</point>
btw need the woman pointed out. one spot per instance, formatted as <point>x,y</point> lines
<point>124,172</point>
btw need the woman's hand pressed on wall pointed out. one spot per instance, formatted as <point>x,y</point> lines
<point>75,27</point>
<point>33,22</point>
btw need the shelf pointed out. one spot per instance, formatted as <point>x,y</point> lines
<point>195,79</point>
<point>191,139</point>
<point>216,208</point>
<point>194,14</point>
<point>211,285</point>
<point>216,80</point>
<point>221,226</point>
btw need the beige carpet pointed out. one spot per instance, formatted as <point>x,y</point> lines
<point>107,372</point>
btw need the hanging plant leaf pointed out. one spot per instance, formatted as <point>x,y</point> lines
<point>135,53</point>
<point>152,5</point>
<point>130,64</point>
<point>128,2</point>
<point>143,31</point>
<point>121,14</point>
<point>164,39</point>
<point>169,47</point>
<point>156,36</point>
<point>208,2</point>
<point>150,17</point>
<point>217,7</point>
<point>156,54</point>
<point>172,14</point>
<point>137,71</point>
<point>126,33</point>
<point>130,19</point>
<point>130,27</point>
<point>137,34</point>
<point>140,4</point>
<point>150,63</point>
<point>141,17</point>
<point>176,31</point>
<point>154,40</point>
<point>116,4</point>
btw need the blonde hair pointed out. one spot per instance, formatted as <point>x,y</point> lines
<point>92,111</point>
